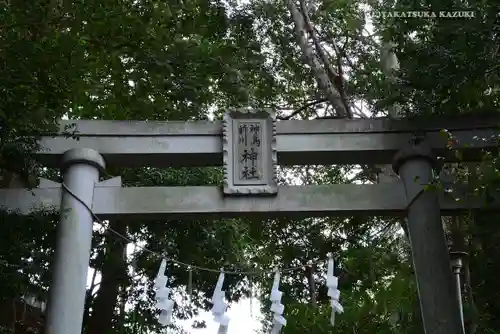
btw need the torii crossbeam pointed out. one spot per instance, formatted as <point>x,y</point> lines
<point>314,142</point>
<point>206,202</point>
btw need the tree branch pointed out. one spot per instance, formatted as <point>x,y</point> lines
<point>304,107</point>
<point>336,79</point>
<point>340,77</point>
<point>359,112</point>
<point>320,75</point>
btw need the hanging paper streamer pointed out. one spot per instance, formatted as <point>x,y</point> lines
<point>163,301</point>
<point>133,263</point>
<point>219,305</point>
<point>276,307</point>
<point>332,283</point>
<point>250,285</point>
<point>190,284</point>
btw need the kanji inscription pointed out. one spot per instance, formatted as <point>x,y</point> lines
<point>249,152</point>
<point>249,146</point>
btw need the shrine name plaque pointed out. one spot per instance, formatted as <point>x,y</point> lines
<point>249,147</point>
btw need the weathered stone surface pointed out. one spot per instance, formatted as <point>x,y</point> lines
<point>152,203</point>
<point>249,153</point>
<point>328,141</point>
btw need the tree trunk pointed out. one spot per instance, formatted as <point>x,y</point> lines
<point>389,63</point>
<point>417,314</point>
<point>88,297</point>
<point>311,284</point>
<point>320,75</point>
<point>113,275</point>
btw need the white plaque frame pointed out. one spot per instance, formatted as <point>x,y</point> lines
<point>267,184</point>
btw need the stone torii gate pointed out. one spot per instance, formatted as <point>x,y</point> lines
<point>249,146</point>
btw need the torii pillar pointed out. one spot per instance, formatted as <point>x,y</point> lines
<point>438,302</point>
<point>66,304</point>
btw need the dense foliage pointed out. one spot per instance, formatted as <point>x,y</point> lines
<point>191,59</point>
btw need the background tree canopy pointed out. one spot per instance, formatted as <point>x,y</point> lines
<point>191,59</point>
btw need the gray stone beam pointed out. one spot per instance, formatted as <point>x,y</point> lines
<point>150,203</point>
<point>328,141</point>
